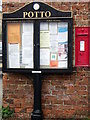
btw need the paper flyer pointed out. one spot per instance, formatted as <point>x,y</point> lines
<point>53,56</point>
<point>27,40</point>
<point>13,33</point>
<point>62,51</point>
<point>53,60</point>
<point>54,63</point>
<point>44,57</point>
<point>53,28</point>
<point>53,43</point>
<point>14,38</point>
<point>27,56</point>
<point>27,50</point>
<point>44,39</point>
<point>27,28</point>
<point>27,45</point>
<point>44,26</point>
<point>14,55</point>
<point>62,64</point>
<point>62,32</point>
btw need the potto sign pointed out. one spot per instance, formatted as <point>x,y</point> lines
<point>37,14</point>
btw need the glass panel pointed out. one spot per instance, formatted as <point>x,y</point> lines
<point>54,45</point>
<point>20,45</point>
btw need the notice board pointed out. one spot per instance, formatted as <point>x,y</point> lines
<point>37,37</point>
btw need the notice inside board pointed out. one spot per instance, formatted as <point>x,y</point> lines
<point>53,45</point>
<point>20,45</point>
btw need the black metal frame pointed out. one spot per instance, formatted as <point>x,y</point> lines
<point>56,16</point>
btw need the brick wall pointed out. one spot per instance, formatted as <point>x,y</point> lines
<point>63,96</point>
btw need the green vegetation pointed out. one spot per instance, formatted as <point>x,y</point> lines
<point>7,112</point>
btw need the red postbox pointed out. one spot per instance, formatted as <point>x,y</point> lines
<point>82,46</point>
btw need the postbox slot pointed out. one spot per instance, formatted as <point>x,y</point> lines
<point>80,34</point>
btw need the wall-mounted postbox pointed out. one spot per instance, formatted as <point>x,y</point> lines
<point>82,46</point>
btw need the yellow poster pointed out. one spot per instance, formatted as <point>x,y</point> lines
<point>44,39</point>
<point>13,32</point>
<point>13,38</point>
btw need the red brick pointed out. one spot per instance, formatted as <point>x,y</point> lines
<point>70,102</point>
<point>18,110</point>
<point>57,92</point>
<point>13,0</point>
<point>23,1</point>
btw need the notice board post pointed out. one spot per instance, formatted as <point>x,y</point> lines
<point>37,39</point>
<point>37,111</point>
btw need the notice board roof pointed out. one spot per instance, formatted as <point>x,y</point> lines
<point>18,14</point>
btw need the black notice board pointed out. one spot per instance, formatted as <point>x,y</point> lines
<point>37,38</point>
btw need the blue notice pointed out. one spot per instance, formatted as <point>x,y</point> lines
<point>62,29</point>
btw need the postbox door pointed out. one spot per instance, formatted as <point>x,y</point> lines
<point>82,51</point>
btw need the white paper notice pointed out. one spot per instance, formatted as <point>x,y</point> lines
<point>43,26</point>
<point>82,45</point>
<point>62,24</point>
<point>27,40</point>
<point>62,57</point>
<point>44,57</point>
<point>27,50</point>
<point>53,43</point>
<point>27,45</point>
<point>62,32</point>
<point>14,55</point>
<point>27,57</point>
<point>27,28</point>
<point>44,39</point>
<point>53,27</point>
<point>63,36</point>
<point>62,64</point>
